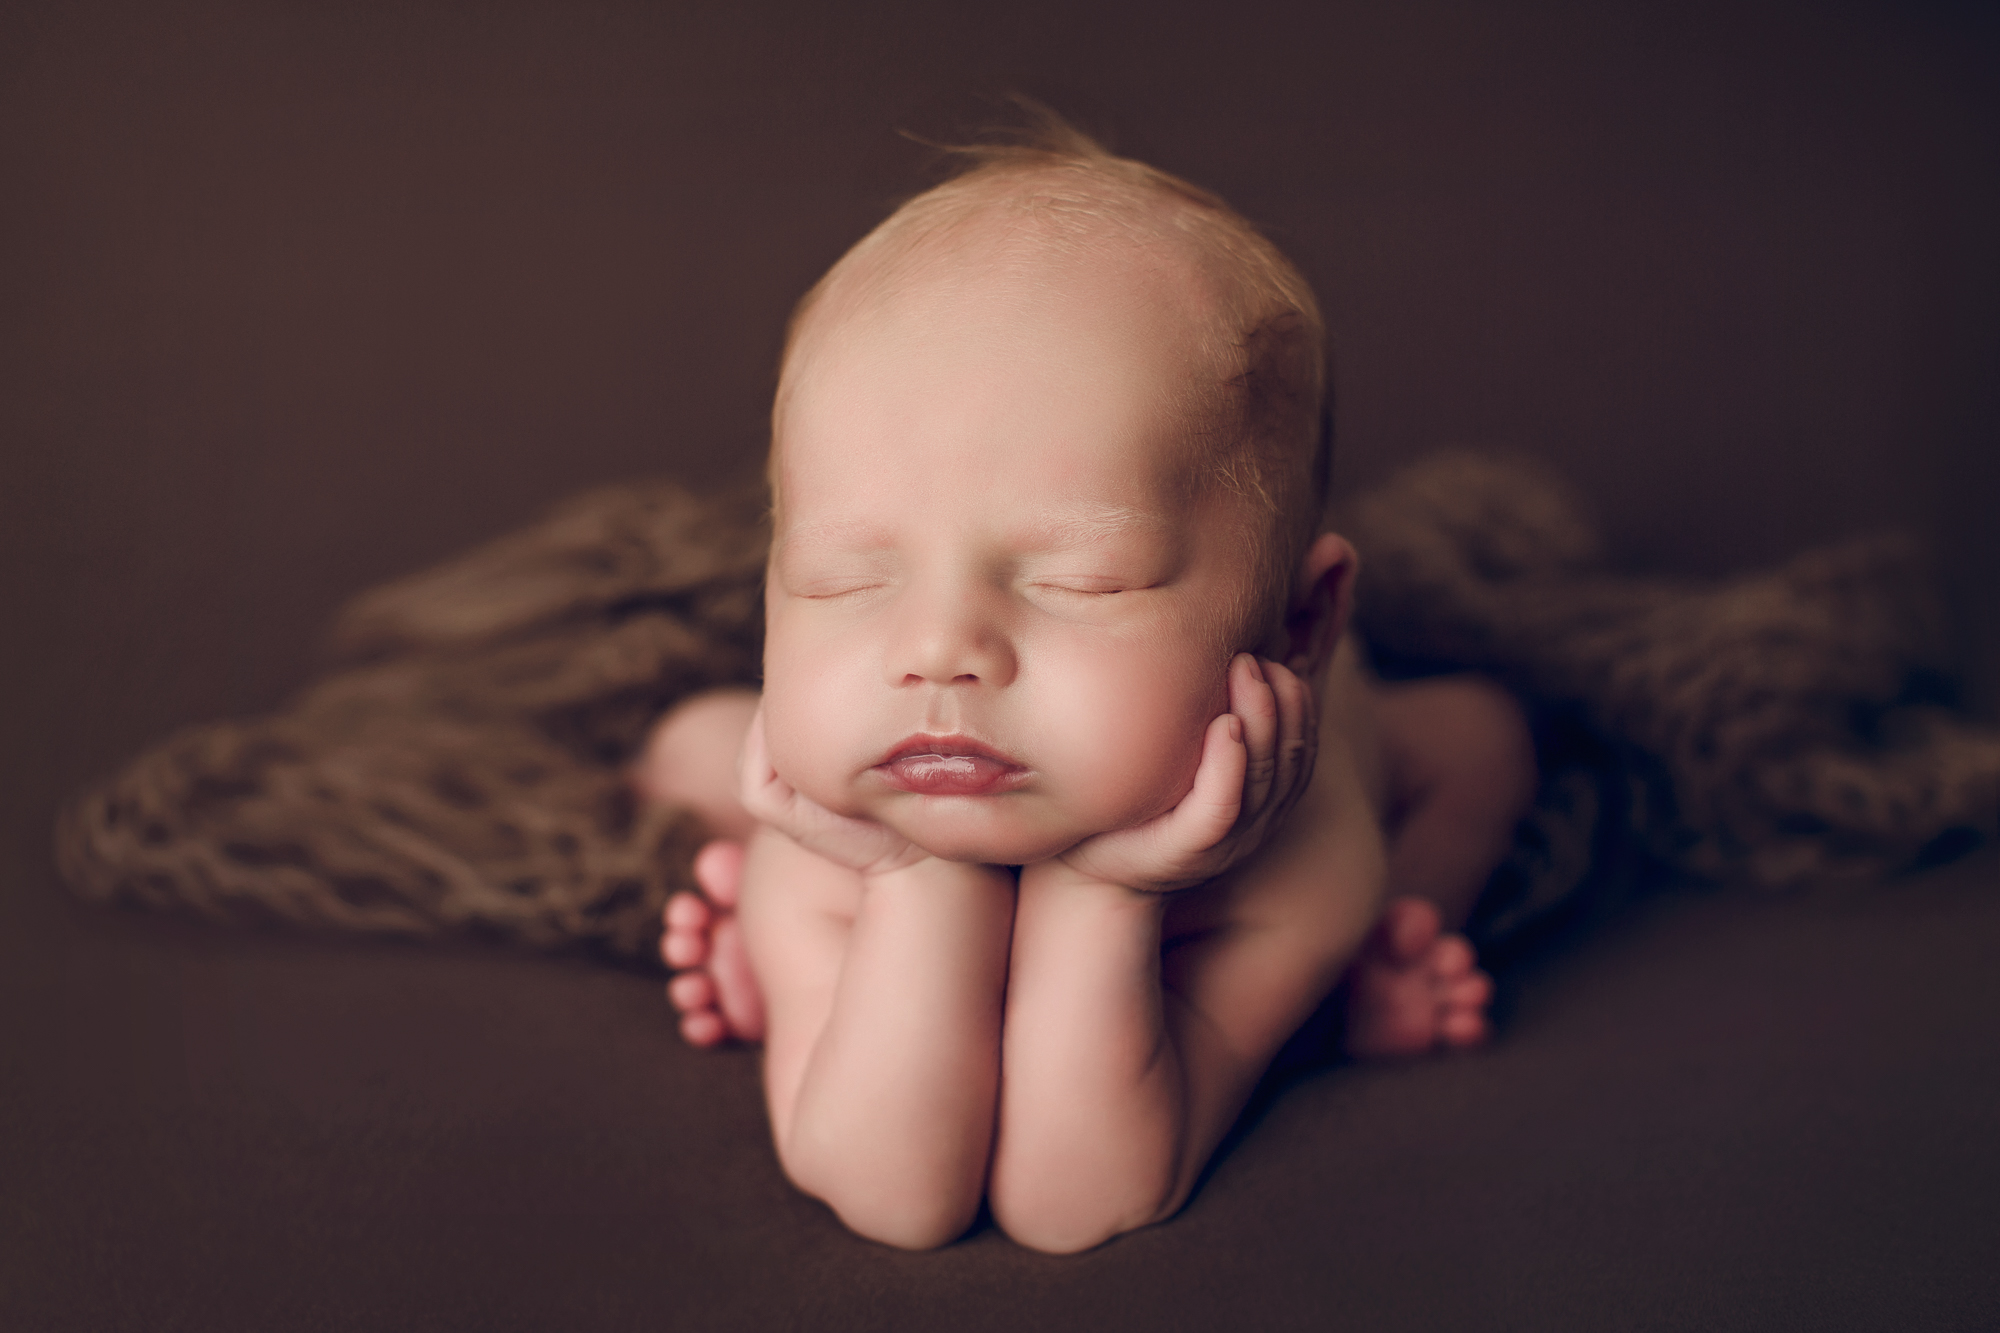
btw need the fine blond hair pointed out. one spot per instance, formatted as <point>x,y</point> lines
<point>1271,442</point>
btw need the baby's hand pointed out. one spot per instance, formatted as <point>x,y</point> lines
<point>858,844</point>
<point>1256,761</point>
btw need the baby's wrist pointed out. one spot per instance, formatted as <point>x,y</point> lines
<point>1059,876</point>
<point>931,874</point>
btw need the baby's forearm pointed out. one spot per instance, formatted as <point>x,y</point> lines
<point>894,1115</point>
<point>1093,1130</point>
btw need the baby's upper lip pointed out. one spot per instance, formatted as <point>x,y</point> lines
<point>948,746</point>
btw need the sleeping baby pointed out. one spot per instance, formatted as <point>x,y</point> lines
<point>1067,799</point>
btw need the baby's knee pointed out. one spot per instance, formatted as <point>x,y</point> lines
<point>689,758</point>
<point>1466,734</point>
<point>1494,730</point>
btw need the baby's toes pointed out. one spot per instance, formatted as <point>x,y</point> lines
<point>1462,1008</point>
<point>686,941</point>
<point>1452,958</point>
<point>704,1028</point>
<point>718,868</point>
<point>683,948</point>
<point>687,911</point>
<point>691,992</point>
<point>1410,927</point>
<point>1462,1027</point>
<point>1473,991</point>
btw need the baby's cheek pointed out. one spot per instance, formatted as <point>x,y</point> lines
<point>1130,734</point>
<point>808,711</point>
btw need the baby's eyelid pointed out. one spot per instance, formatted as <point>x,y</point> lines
<point>820,590</point>
<point>1085,587</point>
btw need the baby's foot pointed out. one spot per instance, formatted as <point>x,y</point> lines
<point>1414,987</point>
<point>713,986</point>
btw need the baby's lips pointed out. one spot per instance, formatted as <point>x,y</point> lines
<point>950,771</point>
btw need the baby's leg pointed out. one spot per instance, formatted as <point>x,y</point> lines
<point>1460,767</point>
<point>689,760</point>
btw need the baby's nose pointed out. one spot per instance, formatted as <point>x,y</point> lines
<point>954,640</point>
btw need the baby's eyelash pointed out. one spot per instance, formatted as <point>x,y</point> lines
<point>827,590</point>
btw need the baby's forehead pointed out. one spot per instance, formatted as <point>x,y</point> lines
<point>1151,301</point>
<point>1000,279</point>
<point>1106,334</point>
<point>1014,249</point>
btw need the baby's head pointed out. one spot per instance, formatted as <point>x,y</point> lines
<point>1047,452</point>
<point>1251,410</point>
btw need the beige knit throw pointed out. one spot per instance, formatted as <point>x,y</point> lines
<point>463,770</point>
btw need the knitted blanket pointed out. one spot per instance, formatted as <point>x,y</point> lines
<point>462,769</point>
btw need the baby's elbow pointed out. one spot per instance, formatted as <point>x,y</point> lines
<point>1074,1232</point>
<point>911,1211</point>
<point>1059,1235</point>
<point>1057,1220</point>
<point>913,1224</point>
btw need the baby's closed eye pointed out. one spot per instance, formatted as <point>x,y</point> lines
<point>1083,585</point>
<point>1091,598</point>
<point>836,586</point>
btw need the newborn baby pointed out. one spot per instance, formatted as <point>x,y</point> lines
<point>1066,800</point>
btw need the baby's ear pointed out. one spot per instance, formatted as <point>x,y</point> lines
<point>1321,600</point>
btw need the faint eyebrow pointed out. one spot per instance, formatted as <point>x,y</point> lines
<point>1069,528</point>
<point>843,533</point>
<point>1087,525</point>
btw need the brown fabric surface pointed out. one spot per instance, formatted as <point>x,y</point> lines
<point>466,773</point>
<point>1780,727</point>
<point>296,297</point>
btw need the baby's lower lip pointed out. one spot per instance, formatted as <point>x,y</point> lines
<point>951,774</point>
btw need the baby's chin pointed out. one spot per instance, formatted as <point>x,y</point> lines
<point>979,830</point>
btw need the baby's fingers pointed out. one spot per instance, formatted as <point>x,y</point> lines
<point>1209,811</point>
<point>1297,741</point>
<point>858,844</point>
<point>1252,701</point>
<point>1178,848</point>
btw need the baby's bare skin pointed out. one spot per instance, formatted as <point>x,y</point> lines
<point>1069,802</point>
<point>1457,770</point>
